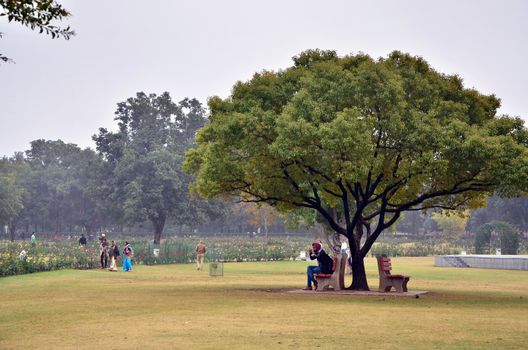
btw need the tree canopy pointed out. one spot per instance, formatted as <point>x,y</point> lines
<point>511,210</point>
<point>370,138</point>
<point>497,234</point>
<point>144,179</point>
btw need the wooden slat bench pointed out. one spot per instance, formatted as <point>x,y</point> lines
<point>335,279</point>
<point>388,280</point>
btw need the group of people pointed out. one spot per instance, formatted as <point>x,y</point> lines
<point>111,250</point>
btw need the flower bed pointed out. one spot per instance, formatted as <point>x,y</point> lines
<point>229,248</point>
<point>51,255</point>
<point>416,249</point>
<point>45,256</point>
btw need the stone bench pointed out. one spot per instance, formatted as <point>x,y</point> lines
<point>335,279</point>
<point>387,279</point>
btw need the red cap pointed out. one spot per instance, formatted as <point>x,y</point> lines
<point>316,246</point>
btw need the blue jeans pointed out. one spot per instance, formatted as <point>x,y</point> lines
<point>311,270</point>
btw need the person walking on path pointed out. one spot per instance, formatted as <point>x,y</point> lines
<point>103,251</point>
<point>114,255</point>
<point>33,239</point>
<point>200,254</point>
<point>324,261</point>
<point>128,253</point>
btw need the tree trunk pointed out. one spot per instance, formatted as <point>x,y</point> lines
<point>12,230</point>
<point>265,221</point>
<point>158,224</point>
<point>359,277</point>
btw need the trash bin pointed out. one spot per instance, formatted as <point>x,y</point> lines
<point>216,269</point>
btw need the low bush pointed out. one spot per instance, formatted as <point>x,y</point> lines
<point>54,255</point>
<point>46,256</point>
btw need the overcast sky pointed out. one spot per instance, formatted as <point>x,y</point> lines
<point>66,90</point>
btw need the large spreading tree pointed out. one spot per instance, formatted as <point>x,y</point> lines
<point>360,141</point>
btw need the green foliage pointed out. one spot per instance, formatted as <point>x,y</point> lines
<point>512,210</point>
<point>367,138</point>
<point>59,184</point>
<point>509,237</point>
<point>412,222</point>
<point>170,252</point>
<point>415,249</point>
<point>452,225</point>
<point>144,178</point>
<point>497,234</point>
<point>224,248</point>
<point>11,190</point>
<point>46,256</point>
<point>37,14</point>
<point>258,248</point>
<point>483,239</point>
<point>309,57</point>
<point>330,117</point>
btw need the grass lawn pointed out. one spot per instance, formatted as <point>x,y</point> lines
<point>177,307</point>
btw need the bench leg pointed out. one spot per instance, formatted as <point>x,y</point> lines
<point>385,285</point>
<point>405,284</point>
<point>334,282</point>
<point>398,284</point>
<point>322,283</point>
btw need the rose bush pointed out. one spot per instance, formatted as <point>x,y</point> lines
<point>46,256</point>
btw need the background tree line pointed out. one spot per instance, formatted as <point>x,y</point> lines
<point>132,182</point>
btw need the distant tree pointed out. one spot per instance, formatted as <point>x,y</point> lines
<point>497,234</point>
<point>483,239</point>
<point>37,15</point>
<point>412,222</point>
<point>145,157</point>
<point>430,226</point>
<point>56,186</point>
<point>511,210</point>
<point>452,225</point>
<point>11,193</point>
<point>372,138</point>
<point>261,215</point>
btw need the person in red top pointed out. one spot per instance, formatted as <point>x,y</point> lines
<point>200,254</point>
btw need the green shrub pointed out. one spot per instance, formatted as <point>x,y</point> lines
<point>46,256</point>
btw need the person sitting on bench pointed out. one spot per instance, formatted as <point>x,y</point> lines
<point>324,264</point>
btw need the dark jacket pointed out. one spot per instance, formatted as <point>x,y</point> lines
<point>115,251</point>
<point>325,262</point>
